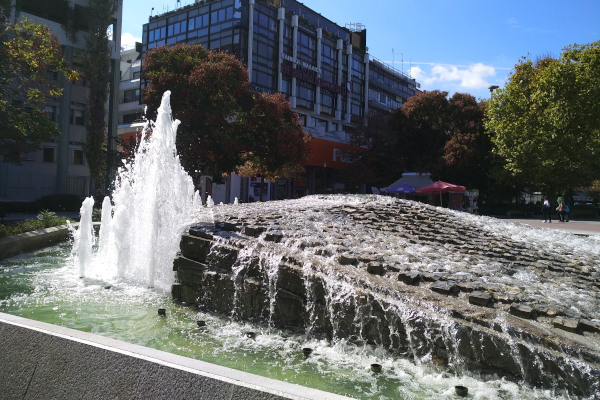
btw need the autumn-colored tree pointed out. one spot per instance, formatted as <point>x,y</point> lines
<point>279,146</point>
<point>210,92</point>
<point>467,152</point>
<point>545,123</point>
<point>27,52</point>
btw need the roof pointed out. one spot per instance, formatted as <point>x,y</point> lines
<point>414,179</point>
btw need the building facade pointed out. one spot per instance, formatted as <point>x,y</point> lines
<point>130,110</point>
<point>323,69</point>
<point>60,166</point>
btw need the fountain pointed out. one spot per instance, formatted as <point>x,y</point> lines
<point>431,284</point>
<point>153,199</point>
<point>367,296</point>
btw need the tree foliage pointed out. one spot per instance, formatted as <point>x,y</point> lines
<point>210,91</point>
<point>279,146</point>
<point>225,126</point>
<point>545,123</point>
<point>443,136</point>
<point>98,74</point>
<point>27,52</point>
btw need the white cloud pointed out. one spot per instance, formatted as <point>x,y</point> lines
<point>466,77</point>
<point>128,38</point>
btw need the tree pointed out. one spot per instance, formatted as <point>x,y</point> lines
<point>98,74</point>
<point>279,145</point>
<point>545,123</point>
<point>27,52</point>
<point>375,153</point>
<point>210,92</point>
<point>423,125</point>
<point>467,152</point>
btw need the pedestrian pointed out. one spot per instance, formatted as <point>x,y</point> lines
<point>546,211</point>
<point>560,209</point>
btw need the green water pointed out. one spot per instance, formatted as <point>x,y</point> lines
<point>43,286</point>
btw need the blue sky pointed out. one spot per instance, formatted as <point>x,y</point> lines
<point>456,46</point>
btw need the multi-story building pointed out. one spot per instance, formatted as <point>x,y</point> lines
<point>130,110</point>
<point>60,166</point>
<point>324,70</point>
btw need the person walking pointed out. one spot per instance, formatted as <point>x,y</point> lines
<point>546,211</point>
<point>560,209</point>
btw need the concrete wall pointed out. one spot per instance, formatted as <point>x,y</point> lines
<point>25,242</point>
<point>43,361</point>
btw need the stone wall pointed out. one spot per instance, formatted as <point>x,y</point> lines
<point>345,270</point>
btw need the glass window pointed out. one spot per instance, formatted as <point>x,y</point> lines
<point>130,96</point>
<point>78,157</point>
<point>48,154</point>
<point>77,116</point>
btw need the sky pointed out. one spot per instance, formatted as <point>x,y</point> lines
<point>451,45</point>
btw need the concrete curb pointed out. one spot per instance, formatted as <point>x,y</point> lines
<point>25,242</point>
<point>40,360</point>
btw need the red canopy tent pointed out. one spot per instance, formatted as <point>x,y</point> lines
<point>440,187</point>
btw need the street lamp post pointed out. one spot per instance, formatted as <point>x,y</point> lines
<point>492,88</point>
<point>324,178</point>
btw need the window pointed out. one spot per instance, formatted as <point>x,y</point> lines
<point>77,116</point>
<point>129,96</point>
<point>130,118</point>
<point>136,75</point>
<point>48,154</point>
<point>78,157</point>
<point>52,114</point>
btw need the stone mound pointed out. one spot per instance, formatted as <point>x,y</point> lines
<point>422,281</point>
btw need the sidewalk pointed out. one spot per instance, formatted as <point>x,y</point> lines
<point>590,227</point>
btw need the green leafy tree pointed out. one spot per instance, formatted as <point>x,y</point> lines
<point>210,92</point>
<point>279,146</point>
<point>98,74</point>
<point>27,52</point>
<point>545,123</point>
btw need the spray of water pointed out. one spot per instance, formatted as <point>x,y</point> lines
<point>153,201</point>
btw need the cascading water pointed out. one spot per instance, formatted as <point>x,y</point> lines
<point>153,200</point>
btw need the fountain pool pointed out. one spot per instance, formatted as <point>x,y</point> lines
<point>43,286</point>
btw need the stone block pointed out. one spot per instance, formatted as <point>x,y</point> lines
<point>375,268</point>
<point>253,230</point>
<point>445,287</point>
<point>569,325</point>
<point>589,326</point>
<point>480,299</point>
<point>194,248</point>
<point>274,237</point>
<point>347,259</point>
<point>222,257</point>
<point>410,277</point>
<point>522,311</point>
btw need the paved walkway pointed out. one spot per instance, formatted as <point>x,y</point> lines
<point>590,227</point>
